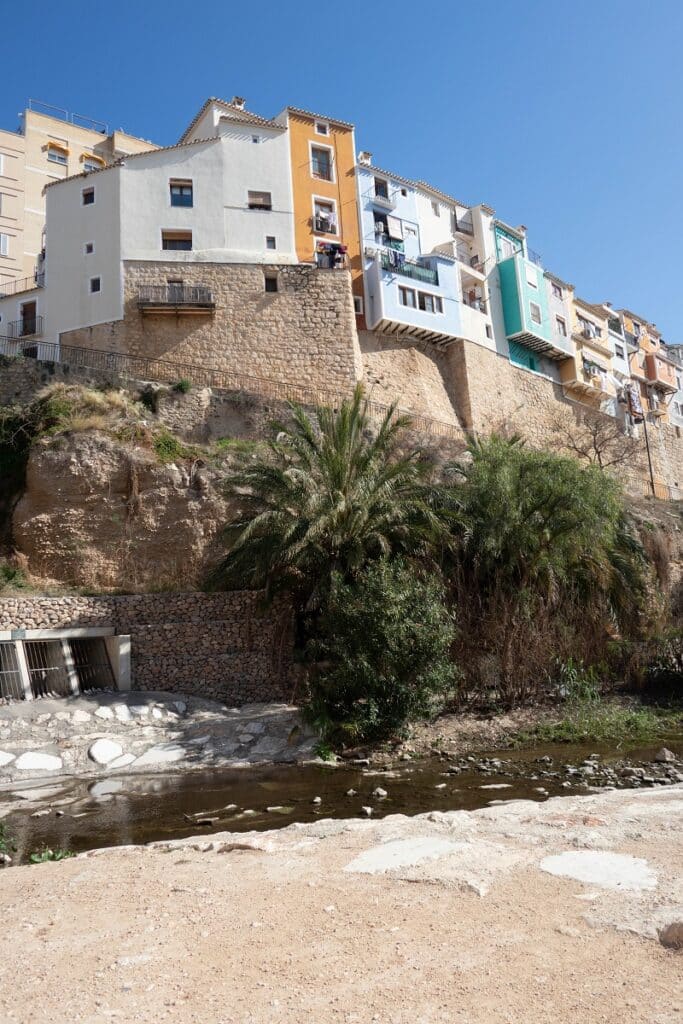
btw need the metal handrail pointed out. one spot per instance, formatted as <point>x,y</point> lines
<point>144,368</point>
<point>465,227</point>
<point>407,268</point>
<point>28,327</point>
<point>24,284</point>
<point>175,295</point>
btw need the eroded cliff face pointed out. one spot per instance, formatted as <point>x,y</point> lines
<point>102,514</point>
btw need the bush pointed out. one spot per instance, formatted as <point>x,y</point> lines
<point>169,448</point>
<point>182,386</point>
<point>383,642</point>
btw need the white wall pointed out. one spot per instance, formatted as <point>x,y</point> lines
<point>69,304</point>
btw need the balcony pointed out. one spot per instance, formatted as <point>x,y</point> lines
<point>175,298</point>
<point>657,406</point>
<point>408,268</point>
<point>660,372</point>
<point>383,199</point>
<point>475,303</point>
<point>25,284</point>
<point>27,327</point>
<point>587,379</point>
<point>463,227</point>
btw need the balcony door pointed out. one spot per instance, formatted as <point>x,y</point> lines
<point>28,318</point>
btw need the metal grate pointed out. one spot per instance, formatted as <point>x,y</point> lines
<point>47,668</point>
<point>92,665</point>
<point>10,676</point>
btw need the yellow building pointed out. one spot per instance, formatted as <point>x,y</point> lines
<point>588,375</point>
<point>324,189</point>
<point>49,144</point>
<point>651,368</point>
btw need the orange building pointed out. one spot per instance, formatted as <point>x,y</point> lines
<point>651,368</point>
<point>326,225</point>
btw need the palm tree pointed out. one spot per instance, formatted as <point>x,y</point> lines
<point>537,534</point>
<point>333,494</point>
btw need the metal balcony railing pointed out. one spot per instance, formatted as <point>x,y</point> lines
<point>175,295</point>
<point>24,284</point>
<point>325,226</point>
<point>478,304</point>
<point>27,327</point>
<point>534,257</point>
<point>408,268</point>
<point>464,226</point>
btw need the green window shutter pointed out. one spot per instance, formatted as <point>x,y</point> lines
<point>521,356</point>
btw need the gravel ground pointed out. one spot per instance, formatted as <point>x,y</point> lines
<point>439,918</point>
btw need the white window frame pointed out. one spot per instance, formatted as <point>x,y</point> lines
<point>335,212</point>
<point>4,244</point>
<point>436,300</point>
<point>358,305</point>
<point>96,291</point>
<point>619,351</point>
<point>561,326</point>
<point>87,191</point>
<point>273,239</point>
<point>532,306</point>
<point>531,276</point>
<point>325,125</point>
<point>384,181</point>
<point>259,192</point>
<point>557,291</point>
<point>333,170</point>
<point>404,289</point>
<point>60,157</point>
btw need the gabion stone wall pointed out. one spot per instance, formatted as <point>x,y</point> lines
<point>224,647</point>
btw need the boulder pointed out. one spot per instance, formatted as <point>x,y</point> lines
<point>37,761</point>
<point>103,751</point>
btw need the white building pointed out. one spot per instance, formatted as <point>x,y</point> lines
<point>221,198</point>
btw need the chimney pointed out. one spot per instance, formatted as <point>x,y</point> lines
<point>237,101</point>
<point>365,158</point>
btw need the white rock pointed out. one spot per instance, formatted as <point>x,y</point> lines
<point>181,706</point>
<point>366,812</point>
<point>665,756</point>
<point>139,709</point>
<point>157,713</point>
<point>400,853</point>
<point>105,788</point>
<point>317,800</point>
<point>36,761</point>
<point>5,758</point>
<point>379,793</point>
<point>608,870</point>
<point>121,762</point>
<point>80,717</point>
<point>104,712</point>
<point>122,712</point>
<point>164,753</point>
<point>103,751</point>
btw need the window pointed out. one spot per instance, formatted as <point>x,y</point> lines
<point>358,305</point>
<point>176,241</point>
<point>89,248</point>
<point>406,296</point>
<point>256,139</point>
<point>270,242</point>
<point>489,331</point>
<point>619,351</point>
<point>404,192</point>
<point>436,209</point>
<point>535,311</point>
<point>270,282</point>
<point>91,165</point>
<point>181,193</point>
<point>561,326</point>
<point>506,247</point>
<point>95,285</point>
<point>322,128</point>
<point>57,154</point>
<point>454,222</point>
<point>321,163</point>
<point>259,201</point>
<point>429,303</point>
<point>381,188</point>
<point>325,217</point>
<point>2,165</point>
<point>531,277</point>
<point>4,245</point>
<point>636,329</point>
<point>88,196</point>
<point>557,291</point>
<point>1,200</point>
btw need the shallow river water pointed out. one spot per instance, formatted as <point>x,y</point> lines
<point>82,814</point>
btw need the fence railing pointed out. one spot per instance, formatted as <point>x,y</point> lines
<point>24,284</point>
<point>408,269</point>
<point>144,368</point>
<point>28,327</point>
<point>174,295</point>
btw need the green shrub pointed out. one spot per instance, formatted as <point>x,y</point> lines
<point>11,578</point>
<point>169,448</point>
<point>576,683</point>
<point>383,647</point>
<point>44,855</point>
<point>182,386</point>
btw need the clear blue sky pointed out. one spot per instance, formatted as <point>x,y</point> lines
<point>565,117</point>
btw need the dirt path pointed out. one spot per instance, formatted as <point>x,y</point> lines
<point>441,918</point>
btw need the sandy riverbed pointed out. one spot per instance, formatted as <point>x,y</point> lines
<point>443,917</point>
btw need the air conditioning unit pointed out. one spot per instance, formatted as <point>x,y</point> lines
<point>380,227</point>
<point>371,252</point>
<point>587,333</point>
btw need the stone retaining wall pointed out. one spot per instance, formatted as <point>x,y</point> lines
<point>219,646</point>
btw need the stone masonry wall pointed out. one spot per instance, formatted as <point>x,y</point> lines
<point>492,394</point>
<point>218,646</point>
<point>305,333</point>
